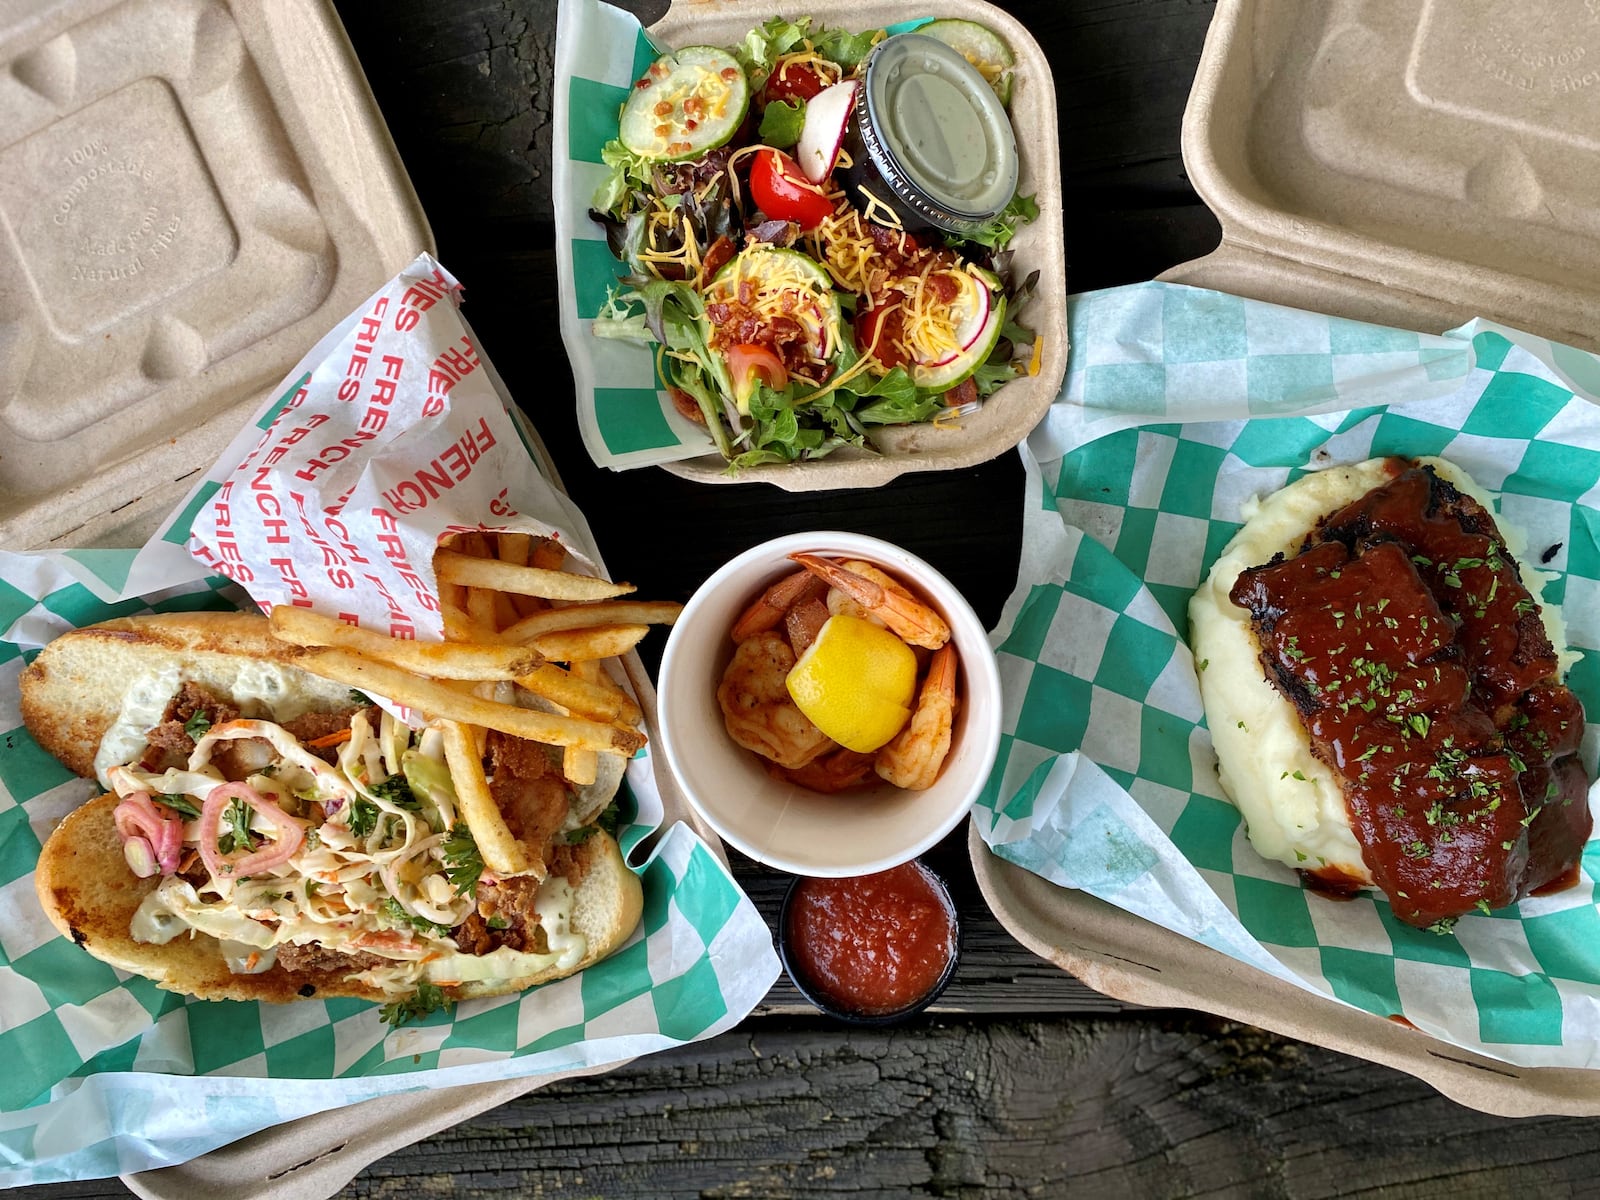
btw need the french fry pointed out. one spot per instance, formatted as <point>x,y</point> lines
<point>480,607</point>
<point>458,626</point>
<point>601,641</point>
<point>441,660</point>
<point>440,699</point>
<point>505,612</point>
<point>581,767</point>
<point>513,548</point>
<point>580,697</point>
<point>454,567</point>
<point>603,612</point>
<point>548,554</point>
<point>501,851</point>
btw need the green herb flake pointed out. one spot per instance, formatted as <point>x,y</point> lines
<point>181,805</point>
<point>197,725</point>
<point>361,817</point>
<point>462,862</point>
<point>428,998</point>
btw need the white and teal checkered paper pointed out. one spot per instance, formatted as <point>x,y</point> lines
<point>1180,404</point>
<point>107,1074</point>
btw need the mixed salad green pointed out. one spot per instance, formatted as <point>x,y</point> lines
<point>786,317</point>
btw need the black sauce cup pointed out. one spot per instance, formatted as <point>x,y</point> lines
<point>806,988</point>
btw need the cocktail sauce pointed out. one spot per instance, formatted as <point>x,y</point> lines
<point>873,945</point>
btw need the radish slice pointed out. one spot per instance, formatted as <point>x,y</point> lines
<point>827,114</point>
<point>290,834</point>
<point>970,329</point>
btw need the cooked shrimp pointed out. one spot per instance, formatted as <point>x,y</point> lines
<point>912,758</point>
<point>838,771</point>
<point>769,608</point>
<point>756,706</point>
<point>901,612</point>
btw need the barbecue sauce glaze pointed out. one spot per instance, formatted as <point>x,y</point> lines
<point>1404,637</point>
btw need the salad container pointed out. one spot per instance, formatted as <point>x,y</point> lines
<point>626,417</point>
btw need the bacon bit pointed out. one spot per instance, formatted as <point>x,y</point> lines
<point>663,107</point>
<point>253,961</point>
<point>694,106</point>
<point>729,74</point>
<point>658,70</point>
<point>942,288</point>
<point>689,411</point>
<point>679,147</point>
<point>641,84</point>
<point>662,131</point>
<point>330,739</point>
<point>964,392</point>
<point>691,124</point>
<point>718,255</point>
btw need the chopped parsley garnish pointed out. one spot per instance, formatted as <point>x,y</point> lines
<point>397,792</point>
<point>235,824</point>
<point>1419,849</point>
<point>1483,907</point>
<point>197,725</point>
<point>428,998</point>
<point>1443,925</point>
<point>462,862</point>
<point>360,699</point>
<point>498,922</point>
<point>362,817</point>
<point>1420,723</point>
<point>182,805</point>
<point>397,913</point>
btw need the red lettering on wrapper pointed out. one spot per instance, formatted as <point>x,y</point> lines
<point>394,550</point>
<point>447,370</point>
<point>290,578</point>
<point>332,560</point>
<point>366,337</point>
<point>417,299</point>
<point>443,473</point>
<point>342,535</point>
<point>333,454</point>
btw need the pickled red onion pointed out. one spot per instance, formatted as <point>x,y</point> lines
<point>138,819</point>
<point>290,833</point>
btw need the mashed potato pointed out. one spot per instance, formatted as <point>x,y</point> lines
<point>1293,805</point>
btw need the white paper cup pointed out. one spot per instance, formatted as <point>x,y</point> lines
<point>779,823</point>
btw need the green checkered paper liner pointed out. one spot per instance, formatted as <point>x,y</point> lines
<point>1179,405</point>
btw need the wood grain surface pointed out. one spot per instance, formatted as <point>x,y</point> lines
<point>1023,1082</point>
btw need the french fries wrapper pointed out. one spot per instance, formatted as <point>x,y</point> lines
<point>1179,405</point>
<point>392,430</point>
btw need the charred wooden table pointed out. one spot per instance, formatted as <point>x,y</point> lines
<point>1022,1081</point>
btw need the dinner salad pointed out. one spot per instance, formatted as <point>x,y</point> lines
<point>792,315</point>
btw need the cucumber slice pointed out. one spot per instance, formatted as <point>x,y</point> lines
<point>980,46</point>
<point>687,103</point>
<point>771,272</point>
<point>944,377</point>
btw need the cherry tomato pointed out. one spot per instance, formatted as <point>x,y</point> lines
<point>886,326</point>
<point>748,360</point>
<point>794,81</point>
<point>782,191</point>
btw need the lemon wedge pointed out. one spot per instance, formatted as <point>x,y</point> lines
<point>855,683</point>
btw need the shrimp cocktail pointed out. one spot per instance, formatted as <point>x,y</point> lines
<point>842,676</point>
